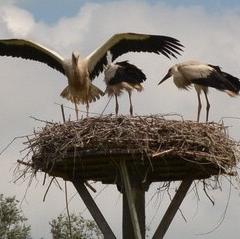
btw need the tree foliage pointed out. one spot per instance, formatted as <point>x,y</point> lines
<point>80,228</point>
<point>12,222</point>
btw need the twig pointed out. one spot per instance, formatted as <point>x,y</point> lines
<point>206,193</point>
<point>44,179</point>
<point>223,216</point>
<point>162,153</point>
<point>11,142</point>
<point>106,106</point>
<point>43,121</point>
<point>83,111</point>
<point>63,114</point>
<point>90,186</point>
<point>45,194</point>
<point>25,163</point>
<point>58,184</point>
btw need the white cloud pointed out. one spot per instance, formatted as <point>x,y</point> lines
<point>18,22</point>
<point>29,88</point>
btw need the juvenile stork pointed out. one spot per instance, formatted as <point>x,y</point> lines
<point>81,71</point>
<point>122,76</point>
<point>202,76</point>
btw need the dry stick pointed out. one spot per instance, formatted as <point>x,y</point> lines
<point>58,184</point>
<point>11,142</point>
<point>106,106</point>
<point>63,115</point>
<point>25,163</point>
<point>28,186</point>
<point>83,111</point>
<point>90,186</point>
<point>18,178</point>
<point>162,153</point>
<point>45,194</point>
<point>206,193</point>
<point>223,216</point>
<point>44,179</point>
<point>43,121</point>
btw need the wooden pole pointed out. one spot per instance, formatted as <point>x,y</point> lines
<point>139,201</point>
<point>94,210</point>
<point>173,208</point>
<point>130,199</point>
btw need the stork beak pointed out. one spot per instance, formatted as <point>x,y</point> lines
<point>165,77</point>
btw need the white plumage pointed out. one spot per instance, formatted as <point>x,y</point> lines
<point>123,76</point>
<point>81,71</point>
<point>202,76</point>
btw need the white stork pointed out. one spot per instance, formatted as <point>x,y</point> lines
<point>81,71</point>
<point>202,76</point>
<point>121,76</point>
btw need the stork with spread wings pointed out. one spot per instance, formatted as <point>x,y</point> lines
<point>80,71</point>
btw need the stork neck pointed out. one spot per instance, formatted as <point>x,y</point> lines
<point>80,71</point>
<point>110,72</point>
<point>76,73</point>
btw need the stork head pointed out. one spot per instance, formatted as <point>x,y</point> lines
<point>168,75</point>
<point>75,58</point>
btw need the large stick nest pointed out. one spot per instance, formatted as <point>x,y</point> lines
<point>155,149</point>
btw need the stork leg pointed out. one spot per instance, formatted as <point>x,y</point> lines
<point>87,108</point>
<point>199,106</point>
<point>208,105</point>
<point>117,106</point>
<point>76,109</point>
<point>130,100</point>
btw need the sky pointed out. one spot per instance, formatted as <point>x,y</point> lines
<point>209,32</point>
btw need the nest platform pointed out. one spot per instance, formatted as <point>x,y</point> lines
<point>154,149</point>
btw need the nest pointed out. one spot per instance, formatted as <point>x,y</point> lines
<point>155,149</point>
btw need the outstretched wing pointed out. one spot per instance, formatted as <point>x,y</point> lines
<point>122,43</point>
<point>32,51</point>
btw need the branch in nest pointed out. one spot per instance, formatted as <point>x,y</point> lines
<point>90,186</point>
<point>25,163</point>
<point>158,154</point>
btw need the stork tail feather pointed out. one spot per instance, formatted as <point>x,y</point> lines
<point>66,93</point>
<point>234,81</point>
<point>82,96</point>
<point>94,93</point>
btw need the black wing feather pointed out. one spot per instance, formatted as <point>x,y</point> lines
<point>220,80</point>
<point>168,46</point>
<point>29,50</point>
<point>234,81</point>
<point>127,73</point>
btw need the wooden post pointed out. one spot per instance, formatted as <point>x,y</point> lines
<point>173,208</point>
<point>94,210</point>
<point>139,201</point>
<point>129,201</point>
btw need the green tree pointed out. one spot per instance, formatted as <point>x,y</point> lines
<point>80,228</point>
<point>12,222</point>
